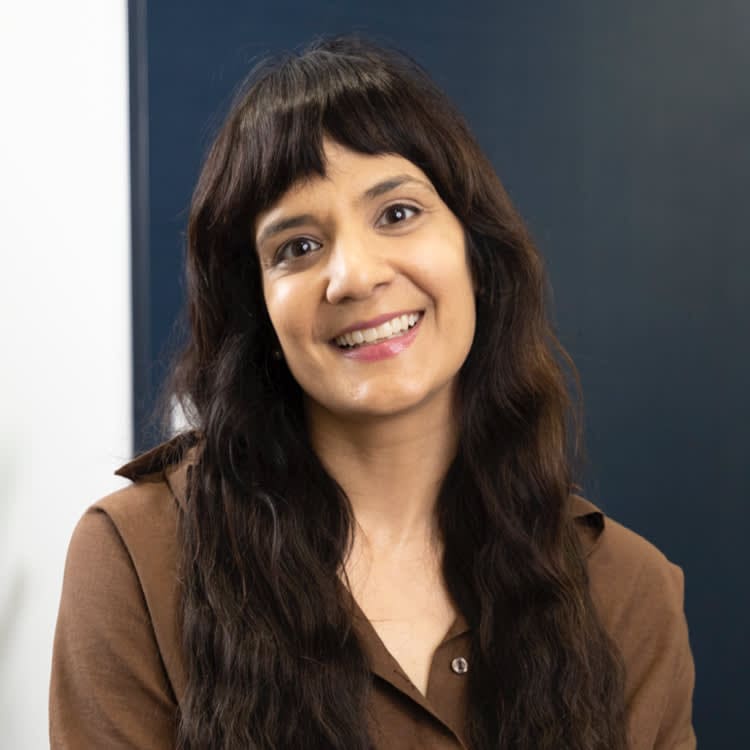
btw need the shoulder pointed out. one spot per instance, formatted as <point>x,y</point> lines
<point>117,672</point>
<point>123,557</point>
<point>630,578</point>
<point>140,522</point>
<point>145,514</point>
<point>639,596</point>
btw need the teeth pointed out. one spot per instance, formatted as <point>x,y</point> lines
<point>384,331</point>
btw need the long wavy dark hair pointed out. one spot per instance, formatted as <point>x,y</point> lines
<point>272,659</point>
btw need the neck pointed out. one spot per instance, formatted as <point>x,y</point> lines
<point>391,469</point>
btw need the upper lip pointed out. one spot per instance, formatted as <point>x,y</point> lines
<point>375,322</point>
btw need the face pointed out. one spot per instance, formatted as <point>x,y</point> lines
<point>367,284</point>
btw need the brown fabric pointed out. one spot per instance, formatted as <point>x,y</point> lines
<point>118,675</point>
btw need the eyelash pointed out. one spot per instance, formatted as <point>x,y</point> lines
<point>279,257</point>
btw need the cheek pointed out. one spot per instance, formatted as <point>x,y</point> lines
<point>448,279</point>
<point>286,308</point>
<point>458,303</point>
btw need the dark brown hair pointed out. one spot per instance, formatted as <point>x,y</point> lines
<point>272,660</point>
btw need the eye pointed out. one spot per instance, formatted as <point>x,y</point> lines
<point>398,213</point>
<point>296,248</point>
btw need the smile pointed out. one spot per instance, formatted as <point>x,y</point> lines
<point>388,330</point>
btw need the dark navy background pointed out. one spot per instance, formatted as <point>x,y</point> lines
<point>622,131</point>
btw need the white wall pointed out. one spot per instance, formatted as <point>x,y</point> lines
<point>65,404</point>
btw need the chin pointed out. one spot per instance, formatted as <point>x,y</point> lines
<point>383,397</point>
<point>384,405</point>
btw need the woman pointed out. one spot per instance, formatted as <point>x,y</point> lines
<point>370,539</point>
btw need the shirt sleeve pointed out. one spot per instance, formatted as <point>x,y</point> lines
<point>676,728</point>
<point>662,671</point>
<point>109,687</point>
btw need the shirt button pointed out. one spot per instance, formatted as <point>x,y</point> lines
<point>460,665</point>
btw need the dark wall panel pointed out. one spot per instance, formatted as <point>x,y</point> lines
<point>621,131</point>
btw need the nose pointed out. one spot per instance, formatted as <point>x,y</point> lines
<point>355,270</point>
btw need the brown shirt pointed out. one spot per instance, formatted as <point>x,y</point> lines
<point>118,674</point>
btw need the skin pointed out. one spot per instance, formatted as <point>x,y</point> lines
<point>386,430</point>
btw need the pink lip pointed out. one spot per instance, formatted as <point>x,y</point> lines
<point>383,349</point>
<point>374,322</point>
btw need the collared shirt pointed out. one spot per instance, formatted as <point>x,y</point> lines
<point>118,674</point>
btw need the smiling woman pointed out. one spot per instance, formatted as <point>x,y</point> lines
<point>370,536</point>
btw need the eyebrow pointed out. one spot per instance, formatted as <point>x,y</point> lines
<point>378,189</point>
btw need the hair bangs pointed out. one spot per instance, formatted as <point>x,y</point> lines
<point>372,110</point>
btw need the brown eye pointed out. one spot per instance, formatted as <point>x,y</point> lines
<point>397,213</point>
<point>296,248</point>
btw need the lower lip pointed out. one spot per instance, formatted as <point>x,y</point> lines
<point>383,349</point>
